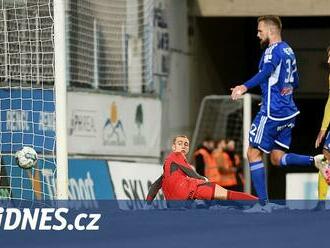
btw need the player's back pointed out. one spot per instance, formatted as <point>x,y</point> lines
<point>277,92</point>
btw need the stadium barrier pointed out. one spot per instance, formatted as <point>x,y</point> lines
<point>131,182</point>
<point>89,180</point>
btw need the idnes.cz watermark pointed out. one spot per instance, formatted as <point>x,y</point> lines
<point>47,219</point>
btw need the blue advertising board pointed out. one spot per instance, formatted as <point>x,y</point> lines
<point>27,119</point>
<point>89,180</point>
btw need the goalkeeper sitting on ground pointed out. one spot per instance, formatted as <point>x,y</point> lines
<point>322,183</point>
<point>181,182</point>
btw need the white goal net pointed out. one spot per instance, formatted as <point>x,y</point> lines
<point>103,45</point>
<point>111,44</point>
<point>27,106</point>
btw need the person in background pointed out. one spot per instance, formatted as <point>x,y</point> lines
<point>202,158</point>
<point>236,161</point>
<point>224,166</point>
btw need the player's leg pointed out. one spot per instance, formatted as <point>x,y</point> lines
<point>235,195</point>
<point>324,166</point>
<point>279,156</point>
<point>259,143</point>
<point>322,187</point>
<point>322,183</point>
<point>258,174</point>
<point>212,191</point>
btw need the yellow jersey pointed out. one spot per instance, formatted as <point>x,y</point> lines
<point>326,116</point>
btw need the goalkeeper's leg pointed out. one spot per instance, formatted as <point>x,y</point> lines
<point>212,191</point>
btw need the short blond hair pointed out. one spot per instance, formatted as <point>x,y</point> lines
<point>179,136</point>
<point>271,20</point>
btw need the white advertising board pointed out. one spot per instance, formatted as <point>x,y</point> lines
<point>302,186</point>
<point>131,182</point>
<point>113,125</point>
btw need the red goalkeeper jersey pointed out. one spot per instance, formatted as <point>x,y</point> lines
<point>180,181</point>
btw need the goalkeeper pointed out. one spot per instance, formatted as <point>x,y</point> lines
<point>181,182</point>
<point>322,182</point>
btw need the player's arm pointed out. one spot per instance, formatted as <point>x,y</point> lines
<point>256,80</point>
<point>154,188</point>
<point>190,172</point>
<point>261,76</point>
<point>271,61</point>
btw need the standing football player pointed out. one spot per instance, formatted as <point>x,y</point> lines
<point>271,129</point>
<point>322,182</point>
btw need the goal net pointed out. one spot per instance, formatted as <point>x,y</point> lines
<point>111,44</point>
<point>222,118</point>
<point>27,102</point>
<point>102,45</point>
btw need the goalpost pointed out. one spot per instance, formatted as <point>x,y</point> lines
<point>220,117</point>
<point>61,99</point>
<point>32,96</point>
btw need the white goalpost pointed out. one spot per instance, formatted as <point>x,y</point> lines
<point>61,99</point>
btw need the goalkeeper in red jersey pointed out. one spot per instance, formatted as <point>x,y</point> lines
<point>181,182</point>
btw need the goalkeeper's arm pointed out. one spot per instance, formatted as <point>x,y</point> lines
<point>154,188</point>
<point>191,173</point>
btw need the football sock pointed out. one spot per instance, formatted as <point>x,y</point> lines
<point>292,159</point>
<point>259,180</point>
<point>235,195</point>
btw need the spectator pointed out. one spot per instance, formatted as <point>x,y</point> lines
<point>225,166</point>
<point>236,161</point>
<point>203,160</point>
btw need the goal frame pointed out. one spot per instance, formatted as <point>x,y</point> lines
<point>60,85</point>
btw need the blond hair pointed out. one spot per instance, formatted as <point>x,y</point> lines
<point>271,20</point>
